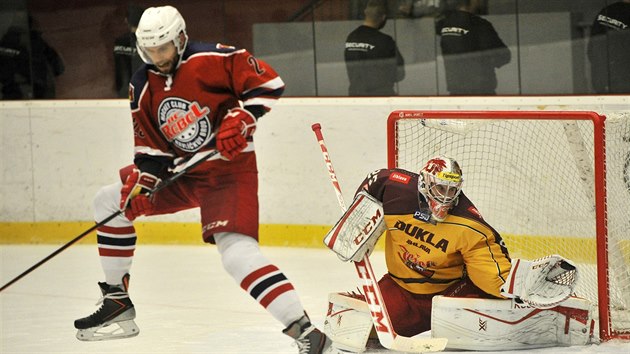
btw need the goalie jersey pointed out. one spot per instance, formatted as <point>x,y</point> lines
<point>176,115</point>
<point>426,258</point>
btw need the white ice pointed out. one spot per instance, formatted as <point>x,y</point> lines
<point>184,300</point>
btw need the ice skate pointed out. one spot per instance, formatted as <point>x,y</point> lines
<point>116,311</point>
<point>308,338</point>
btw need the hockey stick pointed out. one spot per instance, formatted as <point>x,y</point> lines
<point>162,185</point>
<point>387,336</point>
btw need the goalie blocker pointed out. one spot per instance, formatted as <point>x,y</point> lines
<point>471,323</point>
<point>358,230</point>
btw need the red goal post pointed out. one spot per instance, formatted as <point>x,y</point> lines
<point>548,181</point>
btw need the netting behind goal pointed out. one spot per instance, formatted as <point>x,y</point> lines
<point>549,182</point>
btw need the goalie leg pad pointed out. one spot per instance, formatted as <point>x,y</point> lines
<point>488,324</point>
<point>348,322</point>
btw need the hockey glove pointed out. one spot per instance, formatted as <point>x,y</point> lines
<point>237,126</point>
<point>541,283</point>
<point>134,198</point>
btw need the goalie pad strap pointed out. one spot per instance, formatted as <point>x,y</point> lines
<point>487,324</point>
<point>358,230</point>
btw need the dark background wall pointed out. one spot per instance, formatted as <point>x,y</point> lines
<point>83,32</point>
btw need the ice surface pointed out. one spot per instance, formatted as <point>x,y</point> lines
<point>185,301</point>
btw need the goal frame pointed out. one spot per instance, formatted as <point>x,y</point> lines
<point>606,332</point>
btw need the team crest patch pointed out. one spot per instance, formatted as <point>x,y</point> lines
<point>400,178</point>
<point>184,124</point>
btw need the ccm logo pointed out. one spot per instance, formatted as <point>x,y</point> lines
<point>399,177</point>
<point>214,224</point>
<point>367,229</point>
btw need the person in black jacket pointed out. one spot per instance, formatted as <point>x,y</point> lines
<point>46,64</point>
<point>15,71</point>
<point>609,49</point>
<point>373,61</point>
<point>472,50</point>
<point>126,58</point>
<point>28,73</point>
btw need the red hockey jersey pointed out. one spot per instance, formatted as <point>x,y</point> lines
<point>178,115</point>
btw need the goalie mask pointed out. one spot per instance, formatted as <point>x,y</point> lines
<point>158,26</point>
<point>440,183</point>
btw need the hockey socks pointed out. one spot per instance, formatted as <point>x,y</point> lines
<point>263,281</point>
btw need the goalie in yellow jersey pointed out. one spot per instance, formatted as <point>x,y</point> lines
<point>449,271</point>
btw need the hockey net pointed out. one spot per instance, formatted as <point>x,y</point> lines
<point>548,182</point>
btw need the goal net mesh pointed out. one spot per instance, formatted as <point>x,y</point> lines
<point>533,179</point>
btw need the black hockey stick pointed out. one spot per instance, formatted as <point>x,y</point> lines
<point>159,187</point>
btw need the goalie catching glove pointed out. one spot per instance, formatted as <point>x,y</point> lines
<point>541,283</point>
<point>134,195</point>
<point>238,125</point>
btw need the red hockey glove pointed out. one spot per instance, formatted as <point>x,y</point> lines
<point>237,126</point>
<point>134,200</point>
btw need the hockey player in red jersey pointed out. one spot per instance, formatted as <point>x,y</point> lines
<point>191,98</point>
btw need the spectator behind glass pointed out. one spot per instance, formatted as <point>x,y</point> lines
<point>609,49</point>
<point>126,58</point>
<point>14,64</point>
<point>373,61</point>
<point>46,64</point>
<point>419,8</point>
<point>472,50</point>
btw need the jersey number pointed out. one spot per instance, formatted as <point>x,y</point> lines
<point>253,62</point>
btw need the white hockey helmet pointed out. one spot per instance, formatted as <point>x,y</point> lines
<point>440,182</point>
<point>160,25</point>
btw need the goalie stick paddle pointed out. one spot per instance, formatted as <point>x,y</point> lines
<point>160,186</point>
<point>373,296</point>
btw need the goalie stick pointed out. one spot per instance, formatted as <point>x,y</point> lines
<point>187,166</point>
<point>373,296</point>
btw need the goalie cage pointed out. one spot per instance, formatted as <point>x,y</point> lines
<point>548,182</point>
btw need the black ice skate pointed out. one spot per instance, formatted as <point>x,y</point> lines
<point>116,309</point>
<point>308,338</point>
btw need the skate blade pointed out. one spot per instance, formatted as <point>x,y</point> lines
<point>116,330</point>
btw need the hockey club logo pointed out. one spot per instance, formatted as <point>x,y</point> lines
<point>435,165</point>
<point>414,263</point>
<point>184,124</point>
